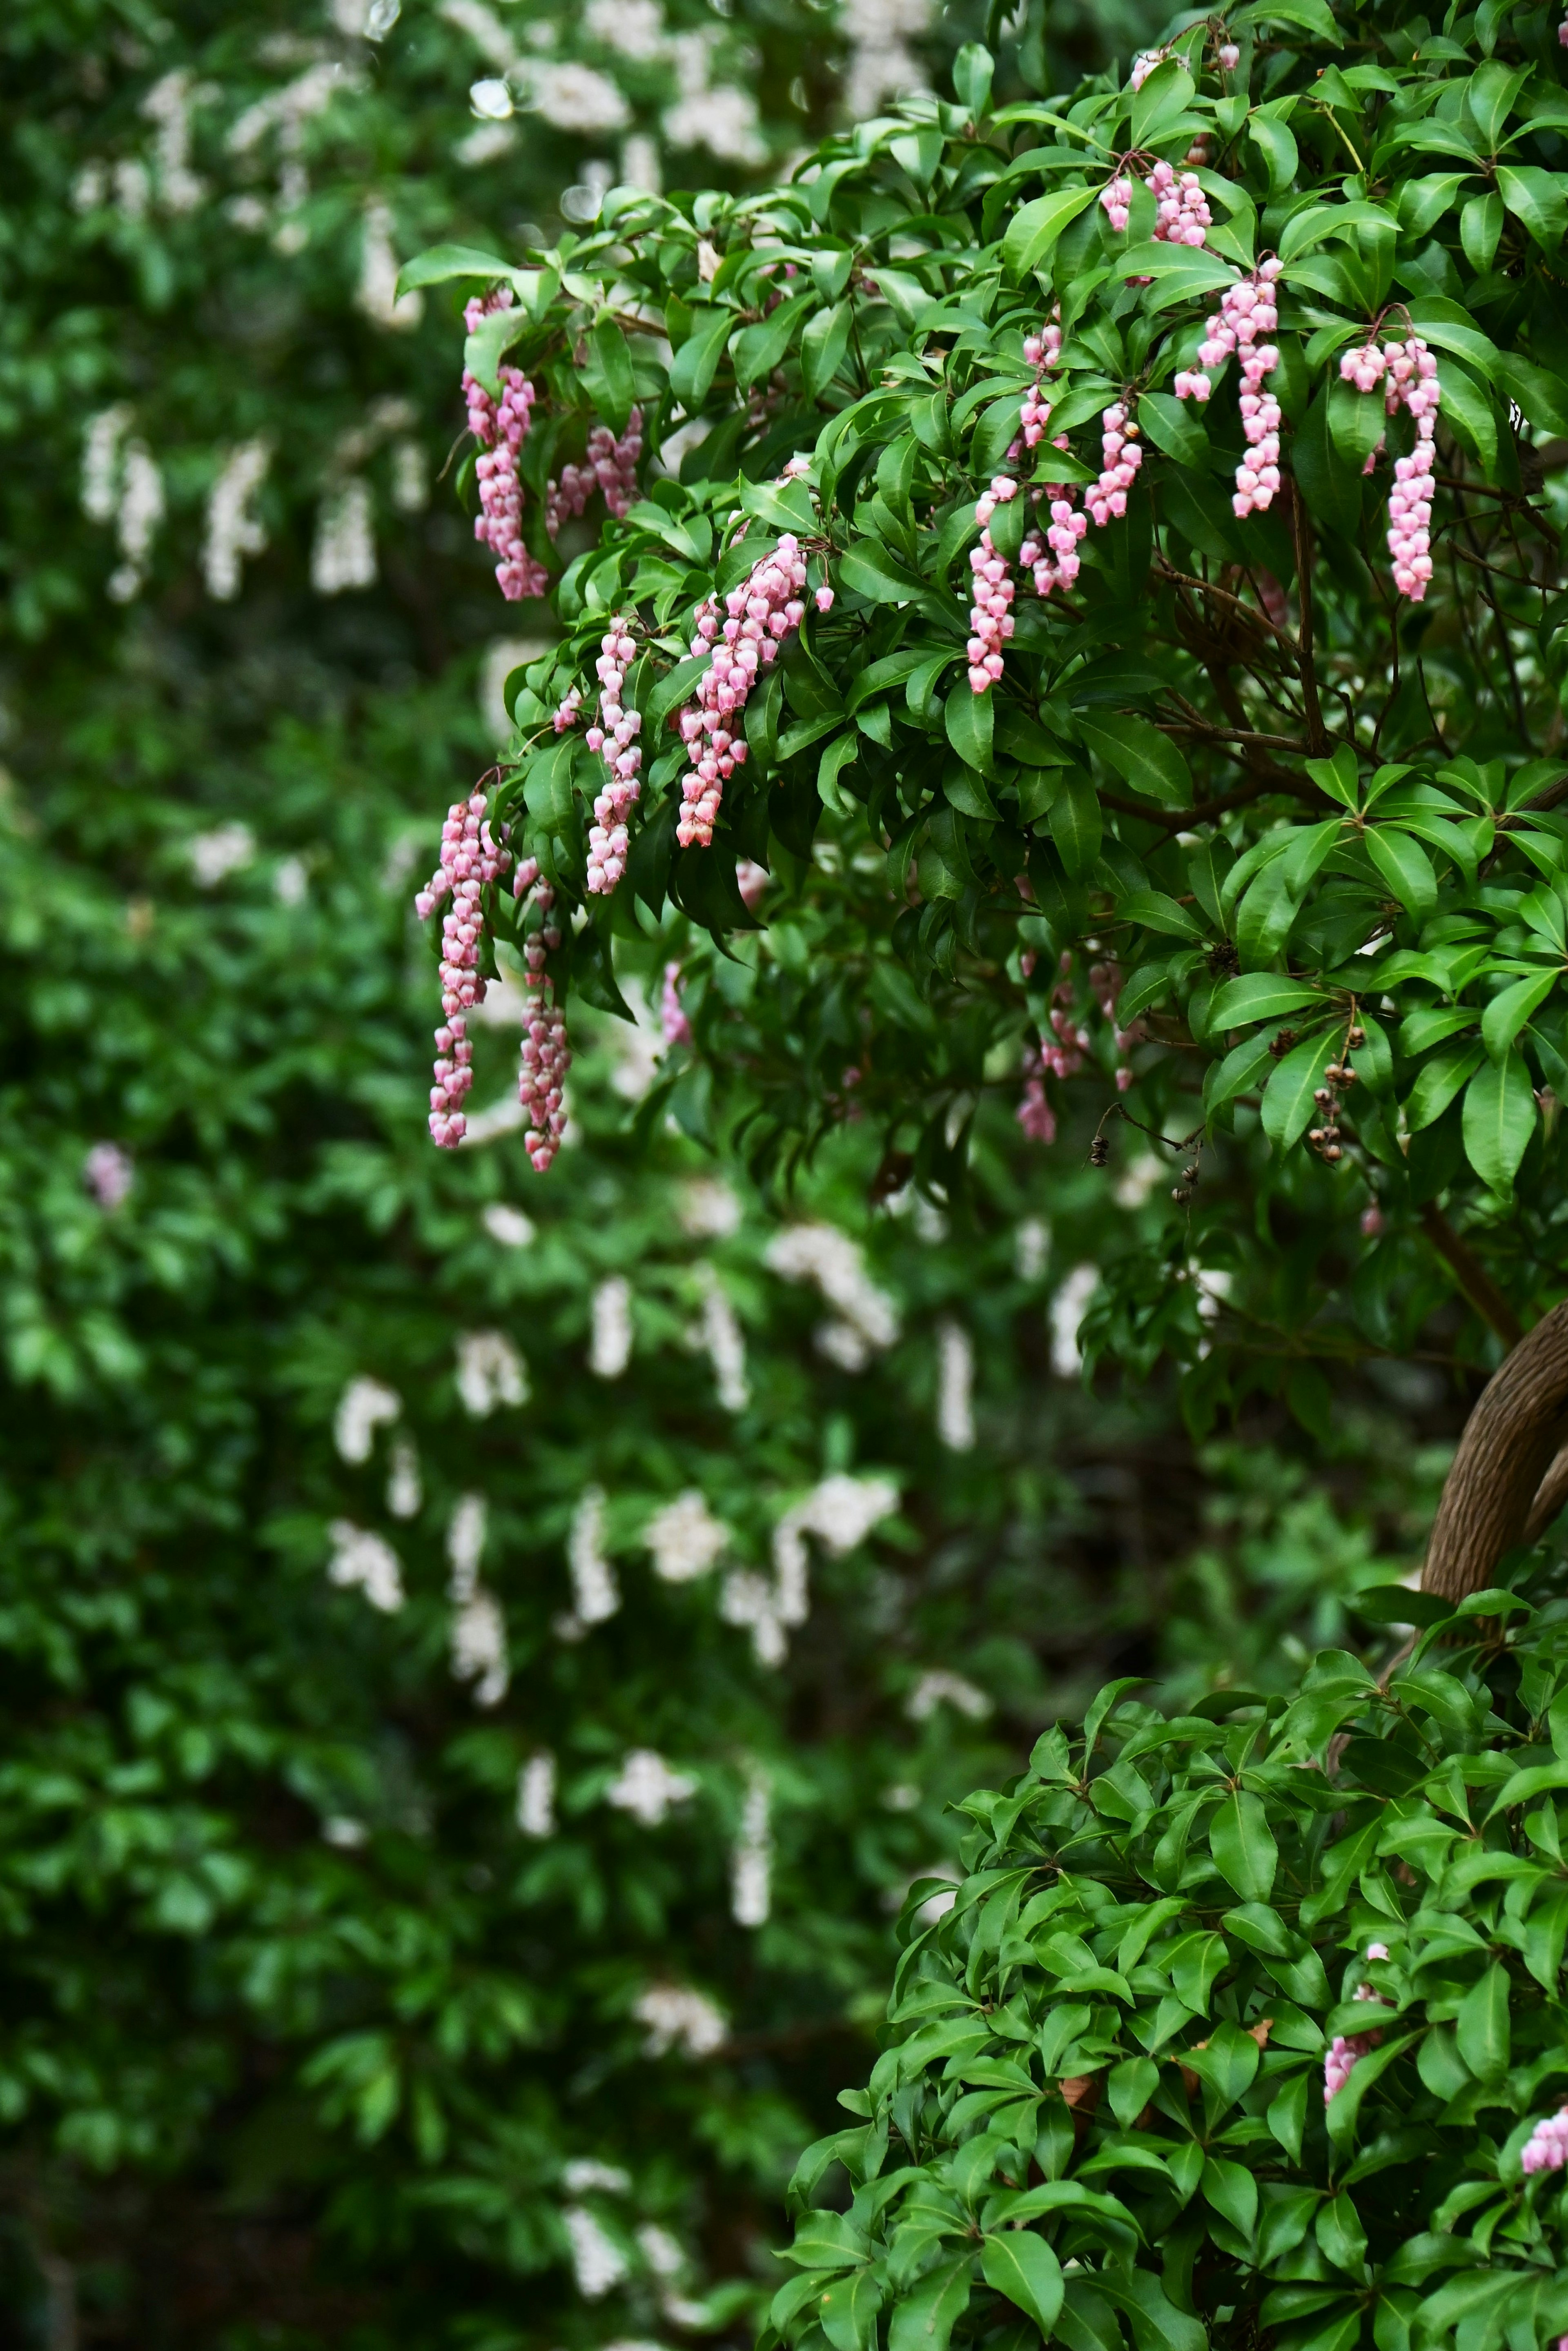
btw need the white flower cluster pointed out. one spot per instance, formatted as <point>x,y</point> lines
<point>678,2018</point>
<point>120,483</point>
<point>867,1319</point>
<point>490,1373</point>
<point>366,1563</point>
<point>646,1787</point>
<point>840,1512</point>
<point>478,1627</point>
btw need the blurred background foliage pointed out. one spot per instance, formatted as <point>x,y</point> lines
<point>429,1914</point>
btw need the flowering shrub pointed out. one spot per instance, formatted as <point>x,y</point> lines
<point>1256,693</point>
<point>1243,2023</point>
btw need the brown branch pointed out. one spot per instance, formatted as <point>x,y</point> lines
<point>1301,533</point>
<point>1472,1276</point>
<point>1506,1463</point>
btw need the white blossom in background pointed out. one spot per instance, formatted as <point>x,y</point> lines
<point>751,1601</point>
<point>490,1373</point>
<point>492,101</point>
<point>1067,1311</point>
<point>707,1209</point>
<point>288,109</point>
<point>141,511</point>
<point>363,1561</point>
<point>676,2018</point>
<point>1137,1180</point>
<point>842,1344</point>
<point>365,1405</point>
<point>954,1388</point>
<point>596,2259</point>
<point>684,1538</point>
<point>634,28</point>
<point>841,1512</point>
<point>168,104</point>
<point>495,41</point>
<point>232,525</point>
<point>723,1342</point>
<point>1031,1248</point>
<point>595,1593</point>
<point>102,452</point>
<point>751,1862</point>
<point>343,552</point>
<point>646,1787</point>
<point>367,20</point>
<point>640,165</point>
<point>215,855</point>
<point>535,1795</point>
<point>291,881</point>
<point>478,1627</point>
<point>725,121</point>
<point>377,295</point>
<point>830,1259</point>
<point>940,1687</point>
<point>108,1172</point>
<point>410,476</point>
<point>486,142</point>
<point>340,1829</point>
<point>610,1351</point>
<point>584,2173</point>
<point>510,1226</point>
<point>881,63</point>
<point>664,2254</point>
<point>574,97</point>
<point>405,1488</point>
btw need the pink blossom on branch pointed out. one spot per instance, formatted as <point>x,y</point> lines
<point>470,860</point>
<point>610,465</point>
<point>1407,373</point>
<point>760,614</point>
<point>501,427</point>
<point>614,735</point>
<point>545,1059</point>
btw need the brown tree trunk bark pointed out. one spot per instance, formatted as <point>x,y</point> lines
<point>1509,1476</point>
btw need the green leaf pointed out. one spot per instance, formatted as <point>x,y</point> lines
<point>1276,142</point>
<point>1163,97</point>
<point>847,2311</point>
<point>692,368</point>
<point>1481,226</point>
<point>1076,825</point>
<point>1498,1120</point>
<point>968,718</point>
<point>440,262</point>
<point>924,2321</point>
<point>1034,228</point>
<point>1541,396</point>
<point>1331,487</point>
<point>1146,759</point>
<point>759,348</point>
<point>1536,198</point>
<point>607,378</point>
<point>483,350</point>
<point>1404,866</point>
<point>1507,1013</point>
<point>1261,996</point>
<point>1243,1845</point>
<point>1171,425</point>
<point>1152,910</point>
<point>1482,2027</point>
<point>1018,2264</point>
<point>836,757</point>
<point>1288,1105</point>
<point>1439,1081</point>
<point>1356,422</point>
<point>822,348</point>
<point>869,570</point>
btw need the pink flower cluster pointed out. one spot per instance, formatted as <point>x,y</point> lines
<point>1034,1112</point>
<point>676,1028</point>
<point>1121,458</point>
<point>760,613</point>
<point>1345,2051</point>
<point>1546,2148</point>
<point>1182,216</point>
<point>545,1058</point>
<point>1116,196</point>
<point>1144,65</point>
<point>501,428</point>
<point>571,710</point>
<point>1041,351</point>
<point>1247,315</point>
<point>1059,567</point>
<point>610,465</point>
<point>1407,372</point>
<point>469,860</point>
<point>616,737</point>
<point>990,614</point>
<point>1106,985</point>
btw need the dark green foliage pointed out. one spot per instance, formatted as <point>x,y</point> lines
<point>1103,2102</point>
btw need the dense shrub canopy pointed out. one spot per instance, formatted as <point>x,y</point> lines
<point>1254,801</point>
<point>1244,2021</point>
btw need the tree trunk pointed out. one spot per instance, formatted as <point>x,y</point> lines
<point>1509,1476</point>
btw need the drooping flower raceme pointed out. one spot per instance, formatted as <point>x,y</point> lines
<point>760,614</point>
<point>1407,372</point>
<point>469,860</point>
<point>1546,2148</point>
<point>615,736</point>
<point>501,427</point>
<point>1182,215</point>
<point>545,1059</point>
<point>1121,456</point>
<point>1249,314</point>
<point>990,614</point>
<point>610,465</point>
